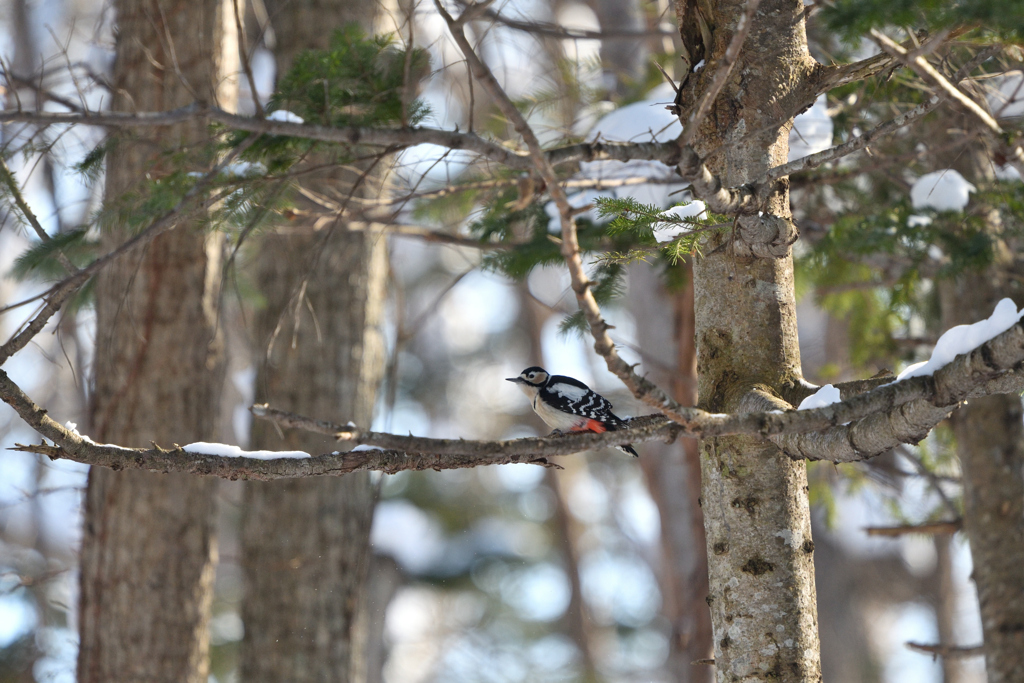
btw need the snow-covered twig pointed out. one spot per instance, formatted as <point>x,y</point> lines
<point>855,429</point>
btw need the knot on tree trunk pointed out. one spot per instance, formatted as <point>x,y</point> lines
<point>764,236</point>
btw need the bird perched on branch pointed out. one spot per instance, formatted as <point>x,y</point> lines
<point>569,405</point>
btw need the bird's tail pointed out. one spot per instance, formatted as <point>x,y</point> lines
<point>628,450</point>
<point>615,424</point>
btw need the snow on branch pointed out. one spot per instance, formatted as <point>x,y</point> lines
<point>857,428</point>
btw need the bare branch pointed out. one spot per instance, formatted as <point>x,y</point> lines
<point>666,152</point>
<point>551,30</point>
<point>926,71</point>
<point>641,429</point>
<point>947,650</point>
<point>813,161</point>
<point>950,527</point>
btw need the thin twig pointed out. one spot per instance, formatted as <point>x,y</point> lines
<point>950,527</point>
<point>949,651</point>
<point>812,161</point>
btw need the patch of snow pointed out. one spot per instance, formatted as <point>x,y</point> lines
<point>666,232</point>
<point>364,447</point>
<point>1006,95</point>
<point>916,221</point>
<point>73,428</point>
<point>964,338</point>
<point>812,131</point>
<point>825,396</point>
<point>944,190</point>
<point>224,450</point>
<point>698,66</point>
<point>1006,172</point>
<point>245,169</point>
<point>645,121</point>
<point>285,116</point>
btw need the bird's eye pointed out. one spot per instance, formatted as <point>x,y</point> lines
<point>532,375</point>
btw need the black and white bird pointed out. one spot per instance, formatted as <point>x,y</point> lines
<point>569,405</point>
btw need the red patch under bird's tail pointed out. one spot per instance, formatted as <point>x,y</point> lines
<point>591,425</point>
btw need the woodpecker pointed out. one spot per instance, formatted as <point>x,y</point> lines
<point>569,405</point>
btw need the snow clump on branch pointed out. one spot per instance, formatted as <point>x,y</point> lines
<point>965,338</point>
<point>668,231</point>
<point>224,450</point>
<point>285,116</point>
<point>944,190</point>
<point>825,396</point>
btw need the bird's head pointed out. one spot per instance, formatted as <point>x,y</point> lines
<point>530,380</point>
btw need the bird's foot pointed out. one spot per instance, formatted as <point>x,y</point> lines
<point>556,432</point>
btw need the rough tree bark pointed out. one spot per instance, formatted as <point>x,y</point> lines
<point>305,543</point>
<point>990,444</point>
<point>754,498</point>
<point>148,542</point>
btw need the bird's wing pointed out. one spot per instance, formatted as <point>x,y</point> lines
<point>572,396</point>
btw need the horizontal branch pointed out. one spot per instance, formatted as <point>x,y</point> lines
<point>950,651</point>
<point>666,152</point>
<point>880,419</point>
<point>641,429</point>
<point>552,30</point>
<point>906,411</point>
<point>950,527</point>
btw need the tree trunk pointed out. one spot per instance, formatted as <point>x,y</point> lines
<point>148,546</point>
<point>990,438</point>
<point>990,444</point>
<point>305,543</point>
<point>754,498</point>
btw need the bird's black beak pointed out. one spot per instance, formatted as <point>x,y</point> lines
<point>514,379</point>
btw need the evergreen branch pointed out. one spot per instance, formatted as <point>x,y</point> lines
<point>12,186</point>
<point>59,293</point>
